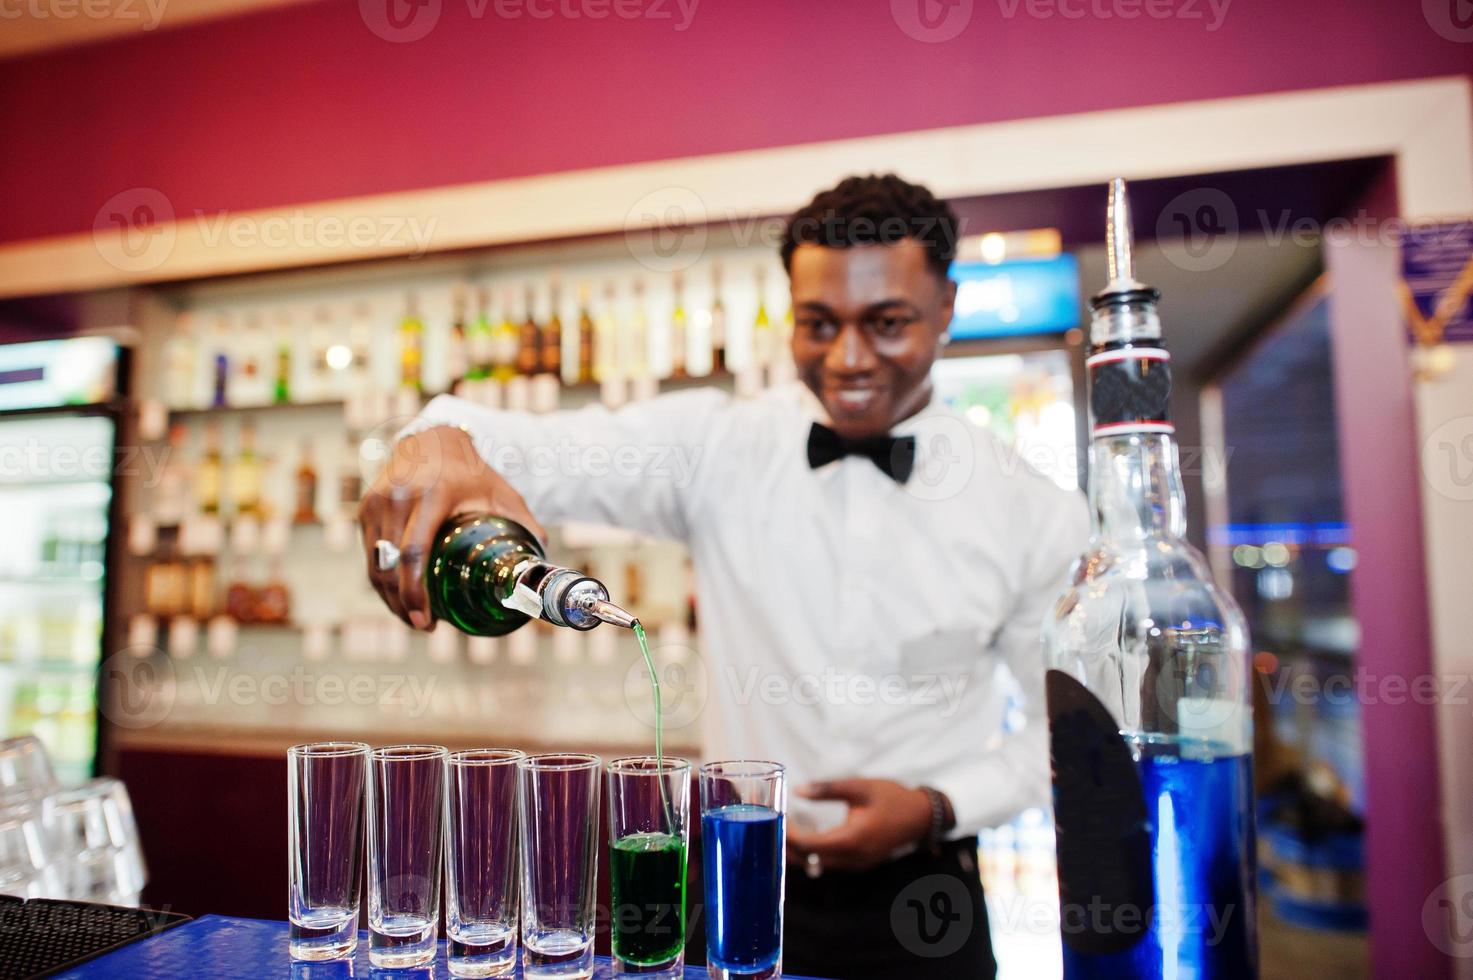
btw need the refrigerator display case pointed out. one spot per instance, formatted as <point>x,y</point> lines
<point>58,432</point>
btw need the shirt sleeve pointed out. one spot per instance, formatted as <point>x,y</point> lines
<point>1013,776</point>
<point>637,467</point>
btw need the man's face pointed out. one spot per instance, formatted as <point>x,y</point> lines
<point>867,325</point>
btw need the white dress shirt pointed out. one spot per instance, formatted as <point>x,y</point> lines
<point>851,626</point>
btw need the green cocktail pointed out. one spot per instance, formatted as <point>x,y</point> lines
<point>647,880</point>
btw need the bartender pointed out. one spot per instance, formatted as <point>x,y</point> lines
<point>872,573</point>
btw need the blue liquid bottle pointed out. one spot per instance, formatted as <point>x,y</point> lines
<point>1148,688</point>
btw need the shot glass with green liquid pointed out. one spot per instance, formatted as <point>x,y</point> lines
<point>649,836</point>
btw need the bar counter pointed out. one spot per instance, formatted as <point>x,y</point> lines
<point>227,948</point>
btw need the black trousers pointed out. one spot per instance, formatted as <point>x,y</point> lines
<point>920,917</point>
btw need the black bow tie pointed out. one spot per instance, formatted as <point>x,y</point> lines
<point>894,455</point>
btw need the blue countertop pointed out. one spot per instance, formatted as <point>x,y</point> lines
<point>224,948</point>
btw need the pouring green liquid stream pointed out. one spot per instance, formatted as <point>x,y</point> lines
<point>649,663</point>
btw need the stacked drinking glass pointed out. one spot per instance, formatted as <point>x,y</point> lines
<point>78,843</point>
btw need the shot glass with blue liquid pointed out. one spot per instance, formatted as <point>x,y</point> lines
<point>743,841</point>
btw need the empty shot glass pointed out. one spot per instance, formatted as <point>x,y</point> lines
<point>481,862</point>
<point>559,816</point>
<point>744,866</point>
<point>325,792</point>
<point>649,836</point>
<point>26,776</point>
<point>406,819</point>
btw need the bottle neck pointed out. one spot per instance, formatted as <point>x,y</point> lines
<point>1135,485</point>
<point>1135,488</point>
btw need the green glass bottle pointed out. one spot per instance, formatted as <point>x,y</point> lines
<point>488,575</point>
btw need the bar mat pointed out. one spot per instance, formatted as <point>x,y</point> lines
<point>44,936</point>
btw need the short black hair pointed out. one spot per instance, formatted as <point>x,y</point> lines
<point>875,210</point>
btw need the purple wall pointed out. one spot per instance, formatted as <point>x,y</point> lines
<point>307,103</point>
<point>1380,473</point>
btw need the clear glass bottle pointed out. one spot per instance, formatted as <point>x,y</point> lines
<point>1149,694</point>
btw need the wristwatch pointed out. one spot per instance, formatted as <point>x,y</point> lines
<point>942,818</point>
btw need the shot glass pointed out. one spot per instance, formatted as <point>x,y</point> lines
<point>481,862</point>
<point>406,821</point>
<point>743,808</point>
<point>559,816</point>
<point>25,771</point>
<point>649,837</point>
<point>325,785</point>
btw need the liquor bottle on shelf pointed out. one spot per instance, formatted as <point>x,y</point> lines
<point>634,348</point>
<point>763,339</point>
<point>1148,687</point>
<point>305,511</point>
<point>478,338</point>
<point>246,476</point>
<point>487,576</point>
<point>552,336</point>
<point>324,363</point>
<point>240,596</point>
<point>506,337</point>
<point>529,341</point>
<point>411,346</point>
<point>350,479</point>
<point>583,373</point>
<point>273,603</point>
<point>179,360</point>
<point>678,333</point>
<point>250,373</point>
<point>780,366</point>
<point>718,322</point>
<point>220,364</point>
<point>281,385</point>
<point>210,475</point>
<point>606,335</point>
<point>360,342</point>
<point>170,496</point>
<point>166,585</point>
<point>201,588</point>
<point>457,350</point>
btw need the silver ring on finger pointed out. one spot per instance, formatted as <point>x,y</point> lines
<point>385,555</point>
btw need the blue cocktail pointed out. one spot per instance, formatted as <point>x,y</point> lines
<point>743,861</point>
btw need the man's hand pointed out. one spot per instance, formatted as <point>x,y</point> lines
<point>430,476</point>
<point>884,816</point>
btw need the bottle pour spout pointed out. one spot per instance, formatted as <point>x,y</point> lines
<point>607,612</point>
